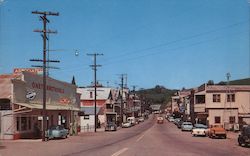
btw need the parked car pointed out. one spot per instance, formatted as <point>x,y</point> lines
<point>171,119</point>
<point>111,126</point>
<point>131,120</point>
<point>160,120</point>
<point>179,123</point>
<point>217,130</point>
<point>176,120</point>
<point>199,130</point>
<point>57,132</point>
<point>141,119</point>
<point>186,126</point>
<point>126,125</point>
<point>244,137</point>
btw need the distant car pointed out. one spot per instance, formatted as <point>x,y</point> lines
<point>57,132</point>
<point>126,125</point>
<point>179,123</point>
<point>132,120</point>
<point>176,120</point>
<point>141,119</point>
<point>186,126</point>
<point>171,119</point>
<point>244,137</point>
<point>110,127</point>
<point>217,130</point>
<point>199,130</point>
<point>160,120</point>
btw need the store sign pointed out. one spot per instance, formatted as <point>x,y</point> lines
<point>31,70</point>
<point>30,95</point>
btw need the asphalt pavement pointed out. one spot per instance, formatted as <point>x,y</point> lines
<point>146,139</point>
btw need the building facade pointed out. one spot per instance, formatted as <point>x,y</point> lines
<point>21,104</point>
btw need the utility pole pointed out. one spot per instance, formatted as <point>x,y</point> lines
<point>134,86</point>
<point>44,35</point>
<point>94,67</point>
<point>122,103</point>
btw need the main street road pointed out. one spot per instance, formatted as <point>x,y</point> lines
<point>145,139</point>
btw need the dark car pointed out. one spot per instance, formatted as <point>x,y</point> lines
<point>111,126</point>
<point>179,123</point>
<point>244,137</point>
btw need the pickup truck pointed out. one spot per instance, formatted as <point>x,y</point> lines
<point>217,130</point>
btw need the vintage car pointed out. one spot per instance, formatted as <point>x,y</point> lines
<point>186,126</point>
<point>217,130</point>
<point>111,126</point>
<point>160,120</point>
<point>244,136</point>
<point>126,125</point>
<point>57,132</point>
<point>199,130</point>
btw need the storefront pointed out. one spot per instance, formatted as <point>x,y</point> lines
<point>21,105</point>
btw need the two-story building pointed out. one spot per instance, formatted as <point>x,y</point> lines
<point>105,110</point>
<point>222,104</point>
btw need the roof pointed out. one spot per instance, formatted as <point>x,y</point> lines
<point>91,110</point>
<point>48,107</point>
<point>102,93</point>
<point>210,88</point>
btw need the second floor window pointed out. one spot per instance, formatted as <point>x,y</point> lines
<point>91,94</point>
<point>217,119</point>
<point>216,97</point>
<point>230,97</point>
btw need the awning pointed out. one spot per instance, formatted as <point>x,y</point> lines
<point>48,107</point>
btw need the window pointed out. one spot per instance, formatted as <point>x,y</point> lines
<point>230,97</point>
<point>217,119</point>
<point>91,94</point>
<point>24,124</point>
<point>17,124</point>
<point>5,104</point>
<point>109,106</point>
<point>232,119</point>
<point>86,117</point>
<point>216,97</point>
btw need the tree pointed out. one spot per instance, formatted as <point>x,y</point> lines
<point>73,81</point>
<point>210,82</point>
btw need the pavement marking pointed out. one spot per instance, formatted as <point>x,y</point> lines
<point>119,152</point>
<point>140,138</point>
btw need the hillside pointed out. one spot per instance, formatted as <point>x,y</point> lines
<point>157,95</point>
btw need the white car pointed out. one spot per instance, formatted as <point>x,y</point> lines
<point>126,125</point>
<point>199,130</point>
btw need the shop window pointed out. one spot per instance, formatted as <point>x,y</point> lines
<point>24,124</point>
<point>232,119</point>
<point>216,97</point>
<point>86,117</point>
<point>17,123</point>
<point>230,97</point>
<point>217,119</point>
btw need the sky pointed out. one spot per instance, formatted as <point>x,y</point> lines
<point>173,43</point>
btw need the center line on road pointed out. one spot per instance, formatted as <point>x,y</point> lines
<point>120,152</point>
<point>140,138</point>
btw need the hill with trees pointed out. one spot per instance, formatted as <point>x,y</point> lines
<point>157,95</point>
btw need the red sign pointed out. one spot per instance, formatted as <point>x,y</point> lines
<point>99,103</point>
<point>31,70</point>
